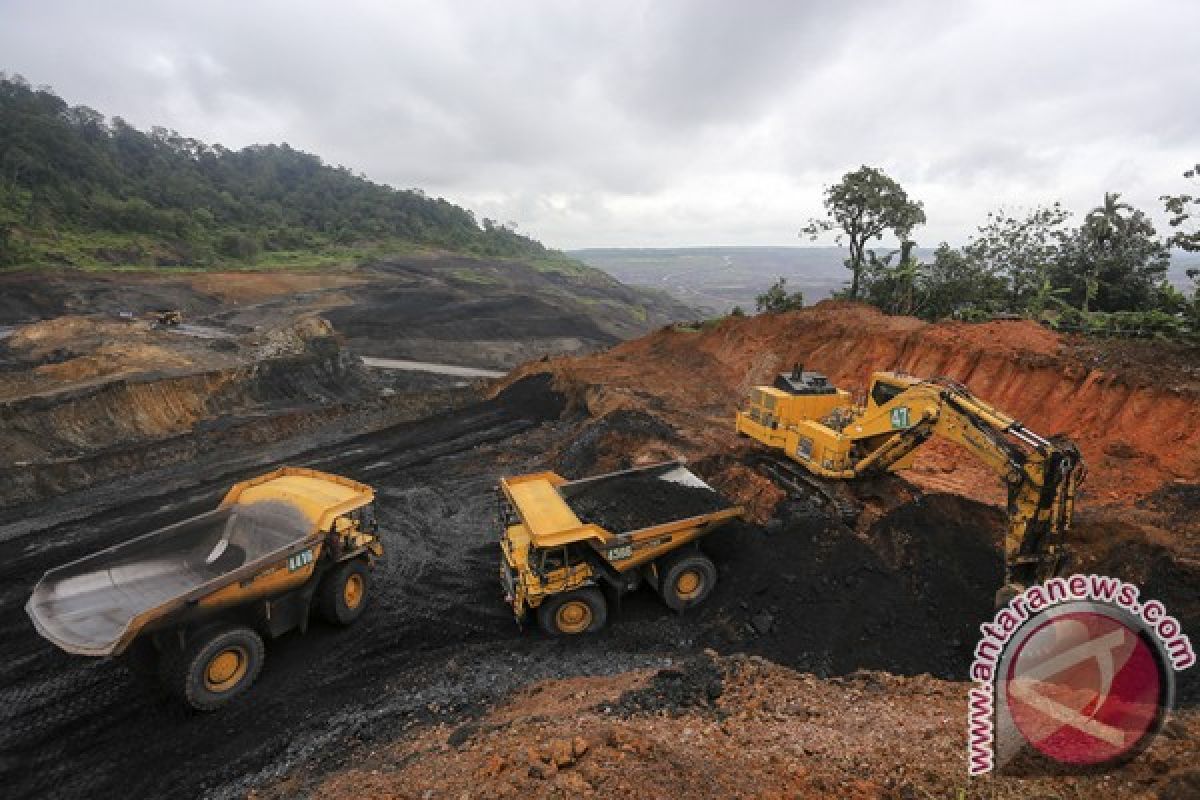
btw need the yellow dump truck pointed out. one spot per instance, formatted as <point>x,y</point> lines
<point>193,601</point>
<point>572,548</point>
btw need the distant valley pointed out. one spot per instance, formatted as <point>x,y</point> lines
<point>719,278</point>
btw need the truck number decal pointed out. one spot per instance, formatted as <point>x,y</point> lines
<point>620,553</point>
<point>299,560</point>
<point>900,417</point>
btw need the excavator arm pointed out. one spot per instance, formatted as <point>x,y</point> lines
<point>1041,474</point>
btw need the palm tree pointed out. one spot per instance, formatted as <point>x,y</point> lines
<point>1105,220</point>
<point>1103,223</point>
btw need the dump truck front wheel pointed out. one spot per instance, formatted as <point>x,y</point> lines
<point>687,580</point>
<point>572,613</point>
<point>343,593</point>
<point>216,666</point>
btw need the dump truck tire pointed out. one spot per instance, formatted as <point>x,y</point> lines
<point>686,580</point>
<point>344,592</point>
<point>216,666</point>
<point>573,613</point>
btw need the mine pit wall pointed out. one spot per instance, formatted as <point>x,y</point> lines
<point>1109,418</point>
<point>1136,432</point>
<point>51,444</point>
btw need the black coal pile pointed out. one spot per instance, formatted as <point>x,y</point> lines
<point>695,685</point>
<point>906,596</point>
<point>580,456</point>
<point>639,501</point>
<point>533,397</point>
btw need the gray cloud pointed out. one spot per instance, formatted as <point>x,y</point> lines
<point>658,121</point>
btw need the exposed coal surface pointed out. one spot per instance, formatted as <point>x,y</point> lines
<point>635,502</point>
<point>695,685</point>
<point>83,727</point>
<point>907,597</point>
<point>579,457</point>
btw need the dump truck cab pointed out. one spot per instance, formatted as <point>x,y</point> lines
<point>192,602</point>
<point>571,549</point>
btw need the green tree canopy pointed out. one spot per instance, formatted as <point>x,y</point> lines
<point>1020,249</point>
<point>1115,261</point>
<point>1184,211</point>
<point>865,204</point>
<point>68,170</point>
<point>777,299</point>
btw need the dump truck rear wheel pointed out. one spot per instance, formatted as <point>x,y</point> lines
<point>344,593</point>
<point>573,613</point>
<point>215,666</point>
<point>687,581</point>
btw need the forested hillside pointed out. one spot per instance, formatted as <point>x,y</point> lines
<point>79,189</point>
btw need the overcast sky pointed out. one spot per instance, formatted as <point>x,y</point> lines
<point>656,123</point>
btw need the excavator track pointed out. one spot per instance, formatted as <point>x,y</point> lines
<point>800,483</point>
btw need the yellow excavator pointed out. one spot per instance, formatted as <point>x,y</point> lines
<point>825,434</point>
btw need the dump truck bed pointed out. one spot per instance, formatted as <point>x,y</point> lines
<point>632,500</point>
<point>88,606</point>
<point>613,506</point>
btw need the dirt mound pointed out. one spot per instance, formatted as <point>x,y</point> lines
<point>112,360</point>
<point>769,732</point>
<point>73,352</point>
<point>631,504</point>
<point>41,338</point>
<point>618,440</point>
<point>255,287</point>
<point>906,594</point>
<point>130,396</point>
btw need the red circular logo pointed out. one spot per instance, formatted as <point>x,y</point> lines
<point>1085,688</point>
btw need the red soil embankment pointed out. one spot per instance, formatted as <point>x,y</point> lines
<point>1134,408</point>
